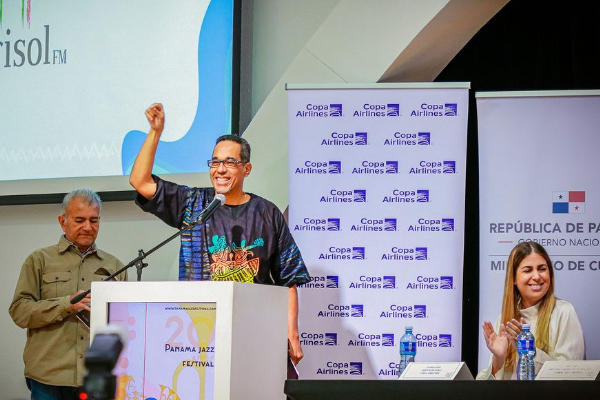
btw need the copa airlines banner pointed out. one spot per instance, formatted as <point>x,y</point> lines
<point>377,183</point>
<point>538,171</point>
<point>77,76</point>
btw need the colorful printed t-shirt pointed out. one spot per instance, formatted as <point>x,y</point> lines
<point>246,243</point>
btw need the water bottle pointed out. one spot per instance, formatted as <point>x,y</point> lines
<point>526,353</point>
<point>408,349</point>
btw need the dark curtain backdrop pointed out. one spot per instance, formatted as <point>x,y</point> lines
<point>528,45</point>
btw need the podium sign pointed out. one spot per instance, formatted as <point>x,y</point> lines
<point>581,370</point>
<point>201,340</point>
<point>174,341</point>
<point>448,371</point>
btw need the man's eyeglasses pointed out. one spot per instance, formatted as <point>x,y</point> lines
<point>228,162</point>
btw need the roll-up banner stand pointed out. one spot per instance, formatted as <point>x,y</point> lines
<point>377,183</point>
<point>539,163</point>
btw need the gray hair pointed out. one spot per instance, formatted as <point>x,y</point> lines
<point>88,196</point>
<point>245,150</point>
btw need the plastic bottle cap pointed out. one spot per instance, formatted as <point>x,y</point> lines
<point>408,327</point>
<point>526,326</point>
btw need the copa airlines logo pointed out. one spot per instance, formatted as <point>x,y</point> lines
<point>319,224</point>
<point>346,139</point>
<point>23,52</point>
<point>341,368</point>
<point>407,196</point>
<point>436,110</point>
<point>358,253</point>
<point>433,167</point>
<point>368,167</point>
<point>391,370</point>
<point>403,311</point>
<point>372,340</point>
<point>318,339</point>
<point>378,110</point>
<point>374,282</point>
<point>375,225</point>
<point>342,311</point>
<point>431,283</point>
<point>319,168</point>
<point>343,253</point>
<point>400,139</point>
<point>434,340</point>
<point>432,225</point>
<point>322,282</point>
<point>397,253</point>
<point>320,111</point>
<point>345,196</point>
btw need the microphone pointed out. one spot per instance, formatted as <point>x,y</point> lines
<point>205,214</point>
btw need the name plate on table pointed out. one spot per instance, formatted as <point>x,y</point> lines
<point>569,370</point>
<point>447,371</point>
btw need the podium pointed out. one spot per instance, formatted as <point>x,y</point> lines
<point>204,340</point>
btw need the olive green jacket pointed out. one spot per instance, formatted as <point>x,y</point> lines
<point>56,340</point>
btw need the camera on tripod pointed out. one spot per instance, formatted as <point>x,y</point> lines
<point>100,360</point>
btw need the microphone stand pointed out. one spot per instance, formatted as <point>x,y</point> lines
<point>139,260</point>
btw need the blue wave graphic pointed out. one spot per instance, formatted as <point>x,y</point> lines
<point>213,114</point>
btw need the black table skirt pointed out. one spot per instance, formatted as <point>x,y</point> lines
<point>440,390</point>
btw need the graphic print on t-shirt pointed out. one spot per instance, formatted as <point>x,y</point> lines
<point>233,263</point>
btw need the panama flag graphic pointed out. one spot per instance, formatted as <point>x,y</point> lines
<point>571,202</point>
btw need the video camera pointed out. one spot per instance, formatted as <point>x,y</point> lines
<point>100,360</point>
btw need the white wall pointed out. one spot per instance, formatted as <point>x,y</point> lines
<point>281,28</point>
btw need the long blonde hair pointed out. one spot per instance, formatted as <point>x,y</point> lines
<point>512,299</point>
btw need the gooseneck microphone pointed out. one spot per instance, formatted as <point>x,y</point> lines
<point>205,214</point>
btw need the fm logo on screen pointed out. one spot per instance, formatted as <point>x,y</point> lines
<point>431,283</point>
<point>436,110</point>
<point>428,167</point>
<point>372,340</point>
<point>432,225</point>
<point>319,224</point>
<point>319,168</point>
<point>408,139</point>
<point>20,52</point>
<point>407,196</point>
<point>398,253</point>
<point>322,282</point>
<point>318,339</point>
<point>368,167</point>
<point>374,282</point>
<point>427,340</point>
<point>344,196</point>
<point>320,111</point>
<point>341,368</point>
<point>346,139</point>
<point>342,311</point>
<point>404,311</point>
<point>375,225</point>
<point>378,110</point>
<point>568,202</point>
